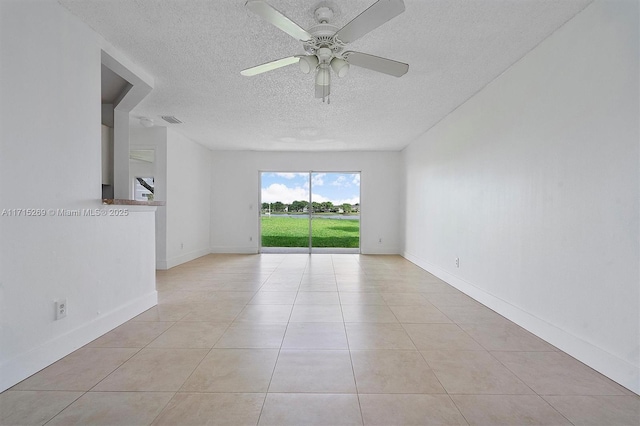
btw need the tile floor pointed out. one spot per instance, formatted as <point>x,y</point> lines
<point>289,339</point>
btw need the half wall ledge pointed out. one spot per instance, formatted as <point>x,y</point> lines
<point>121,202</point>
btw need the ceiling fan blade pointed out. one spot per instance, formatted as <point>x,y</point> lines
<point>376,15</point>
<point>273,16</point>
<point>376,63</point>
<point>269,66</point>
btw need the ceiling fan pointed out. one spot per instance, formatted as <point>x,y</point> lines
<point>325,43</point>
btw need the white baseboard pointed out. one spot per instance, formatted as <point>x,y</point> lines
<point>618,370</point>
<point>380,250</point>
<point>234,250</point>
<point>24,365</point>
<point>179,260</point>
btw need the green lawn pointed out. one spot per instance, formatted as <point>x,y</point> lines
<point>282,231</point>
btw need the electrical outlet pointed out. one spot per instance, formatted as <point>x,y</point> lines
<point>61,308</point>
<point>457,262</point>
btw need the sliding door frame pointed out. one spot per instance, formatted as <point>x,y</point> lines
<point>310,249</point>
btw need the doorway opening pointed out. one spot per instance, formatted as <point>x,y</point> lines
<point>310,212</point>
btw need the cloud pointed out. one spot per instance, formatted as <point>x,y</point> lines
<point>341,181</point>
<point>290,175</point>
<point>352,201</point>
<point>356,179</point>
<point>318,179</point>
<point>280,192</point>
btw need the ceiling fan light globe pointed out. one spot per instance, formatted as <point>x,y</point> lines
<point>323,77</point>
<point>340,67</point>
<point>308,63</point>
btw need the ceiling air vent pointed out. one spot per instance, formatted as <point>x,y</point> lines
<point>171,119</point>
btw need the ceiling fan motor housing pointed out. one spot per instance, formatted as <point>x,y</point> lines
<point>323,36</point>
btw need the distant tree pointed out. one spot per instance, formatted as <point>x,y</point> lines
<point>327,206</point>
<point>298,206</point>
<point>265,206</point>
<point>346,207</point>
<point>278,206</point>
<point>316,206</point>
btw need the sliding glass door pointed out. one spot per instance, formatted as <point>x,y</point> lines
<point>310,211</point>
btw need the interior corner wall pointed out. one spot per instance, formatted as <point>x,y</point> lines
<point>188,199</point>
<point>154,138</point>
<point>183,181</point>
<point>50,148</point>
<point>235,194</point>
<point>534,185</point>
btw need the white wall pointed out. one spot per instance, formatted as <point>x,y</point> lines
<point>50,158</point>
<point>235,194</point>
<point>188,199</point>
<point>534,184</point>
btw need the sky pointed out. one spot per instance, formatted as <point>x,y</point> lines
<point>339,188</point>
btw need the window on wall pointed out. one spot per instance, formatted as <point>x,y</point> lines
<point>143,188</point>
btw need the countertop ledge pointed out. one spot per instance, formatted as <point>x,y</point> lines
<point>121,202</point>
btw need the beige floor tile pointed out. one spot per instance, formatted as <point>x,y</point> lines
<point>368,313</point>
<point>508,410</point>
<point>290,409</point>
<point>505,337</point>
<point>318,272</point>
<point>319,286</point>
<point>164,313</point>
<point>198,409</point>
<point>19,408</point>
<point>316,313</point>
<point>441,336</point>
<point>437,286</point>
<point>79,371</point>
<point>305,335</point>
<point>419,314</point>
<point>358,298</point>
<point>264,314</point>
<point>274,298</point>
<point>186,334</point>
<point>554,373</point>
<point>364,285</point>
<point>234,297</point>
<point>219,312</point>
<point>113,408</point>
<point>378,336</point>
<point>440,300</point>
<point>473,372</point>
<point>407,331</point>
<point>409,410</point>
<point>317,298</point>
<point>132,334</point>
<point>248,336</point>
<point>472,314</point>
<point>233,370</point>
<point>154,369</point>
<point>319,371</point>
<point>391,371</point>
<point>404,299</point>
<point>278,285</point>
<point>598,410</point>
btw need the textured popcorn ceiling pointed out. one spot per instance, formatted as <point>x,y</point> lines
<point>195,50</point>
